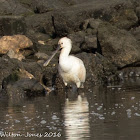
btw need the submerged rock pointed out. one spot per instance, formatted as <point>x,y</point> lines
<point>128,72</point>
<point>24,87</point>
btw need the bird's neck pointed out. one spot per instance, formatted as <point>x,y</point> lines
<point>64,62</point>
<point>64,53</point>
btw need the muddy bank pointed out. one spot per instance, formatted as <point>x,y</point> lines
<point>105,35</point>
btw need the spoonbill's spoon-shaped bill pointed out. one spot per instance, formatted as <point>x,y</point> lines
<point>51,57</point>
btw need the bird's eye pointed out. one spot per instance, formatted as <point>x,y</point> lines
<point>61,43</point>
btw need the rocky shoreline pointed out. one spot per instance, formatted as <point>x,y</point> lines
<point>105,35</point>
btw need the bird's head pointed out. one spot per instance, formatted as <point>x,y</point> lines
<point>64,43</point>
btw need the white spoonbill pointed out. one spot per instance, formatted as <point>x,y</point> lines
<point>71,68</point>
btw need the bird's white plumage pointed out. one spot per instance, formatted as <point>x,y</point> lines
<point>71,68</point>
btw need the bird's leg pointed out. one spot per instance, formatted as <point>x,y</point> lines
<point>66,92</point>
<point>74,89</point>
<point>66,89</point>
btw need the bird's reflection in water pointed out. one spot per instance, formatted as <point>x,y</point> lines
<point>76,115</point>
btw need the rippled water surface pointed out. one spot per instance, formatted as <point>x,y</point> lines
<point>98,113</point>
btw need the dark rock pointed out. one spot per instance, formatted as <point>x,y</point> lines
<point>124,19</point>
<point>91,23</point>
<point>119,46</point>
<point>19,77</point>
<point>21,83</point>
<point>48,47</point>
<point>24,87</point>
<point>70,18</point>
<point>83,41</point>
<point>89,44</point>
<point>34,68</point>
<point>27,52</point>
<point>42,23</point>
<point>138,13</point>
<point>77,39</point>
<point>37,36</point>
<point>49,75</point>
<point>41,73</point>
<point>43,6</point>
<point>6,68</point>
<point>43,43</point>
<point>98,68</point>
<point>136,3</point>
<point>136,33</point>
<point>75,2</point>
<point>41,55</point>
<point>26,3</point>
<point>10,25</point>
<point>13,7</point>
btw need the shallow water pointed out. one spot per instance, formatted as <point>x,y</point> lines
<point>98,113</point>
